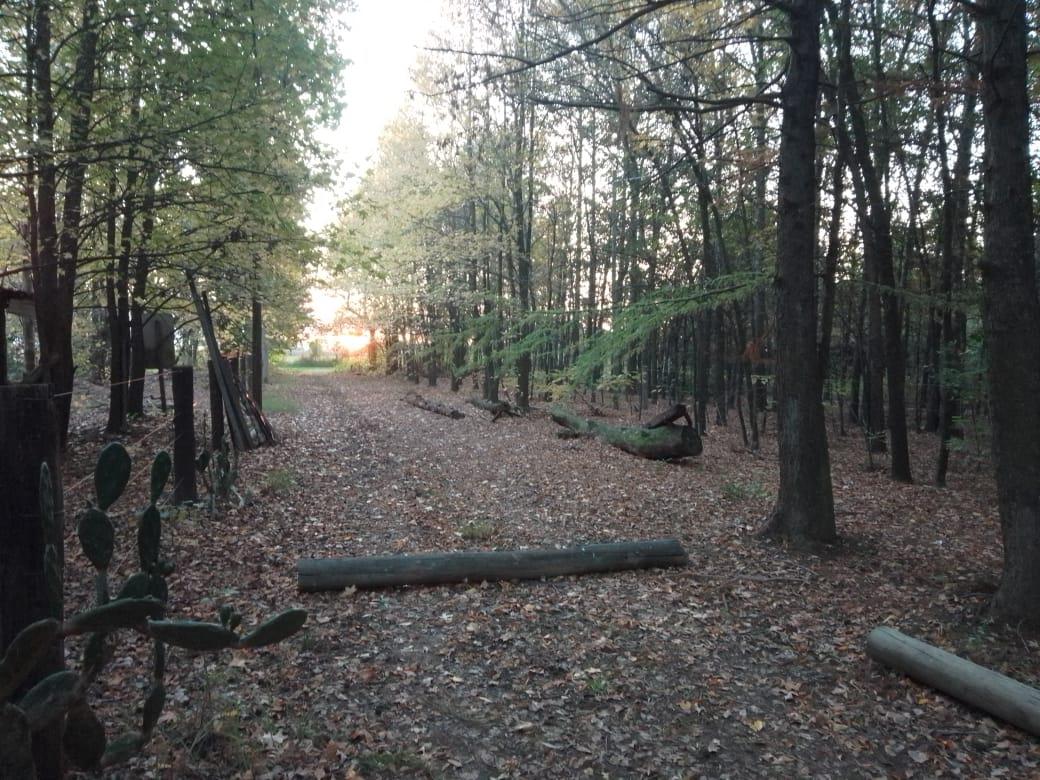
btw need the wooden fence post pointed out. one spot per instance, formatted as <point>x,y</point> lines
<point>184,435</point>
<point>28,438</point>
<point>216,409</point>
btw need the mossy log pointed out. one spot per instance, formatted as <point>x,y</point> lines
<point>495,408</point>
<point>665,442</point>
<point>379,571</point>
<point>990,691</point>
<point>417,400</point>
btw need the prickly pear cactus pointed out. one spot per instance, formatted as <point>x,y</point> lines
<point>139,605</point>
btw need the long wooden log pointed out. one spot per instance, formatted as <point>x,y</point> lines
<point>417,400</point>
<point>995,693</point>
<point>437,568</point>
<point>665,442</point>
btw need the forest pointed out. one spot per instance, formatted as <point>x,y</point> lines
<point>784,250</point>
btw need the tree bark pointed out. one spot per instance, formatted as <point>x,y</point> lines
<point>29,436</point>
<point>804,511</point>
<point>1010,308</point>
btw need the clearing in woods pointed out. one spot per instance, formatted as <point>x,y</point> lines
<point>748,662</point>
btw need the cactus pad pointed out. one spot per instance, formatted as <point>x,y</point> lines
<point>24,653</point>
<point>49,699</point>
<point>111,474</point>
<point>192,635</point>
<point>122,749</point>
<point>275,629</point>
<point>84,738</point>
<point>122,613</point>
<point>153,706</point>
<point>149,535</point>
<point>161,468</point>
<point>96,537</point>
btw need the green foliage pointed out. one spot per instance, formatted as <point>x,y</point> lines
<point>219,474</point>
<point>738,490</point>
<point>140,606</point>
<point>280,481</point>
<point>477,530</point>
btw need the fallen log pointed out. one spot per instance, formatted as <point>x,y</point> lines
<point>677,412</point>
<point>380,571</point>
<point>665,442</point>
<point>496,408</point>
<point>990,691</point>
<point>436,407</point>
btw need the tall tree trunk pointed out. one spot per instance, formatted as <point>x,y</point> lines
<point>878,248</point>
<point>955,206</point>
<point>54,271</point>
<point>804,511</point>
<point>1010,308</point>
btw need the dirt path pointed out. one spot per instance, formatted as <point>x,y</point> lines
<point>747,663</point>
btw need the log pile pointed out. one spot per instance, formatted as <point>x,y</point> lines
<point>664,441</point>
<point>436,407</point>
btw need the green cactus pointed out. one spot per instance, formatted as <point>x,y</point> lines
<point>135,587</point>
<point>161,468</point>
<point>111,474</point>
<point>97,537</point>
<point>149,536</point>
<point>192,635</point>
<point>153,706</point>
<point>121,750</point>
<point>49,699</point>
<point>24,652</point>
<point>276,629</point>
<point>84,736</point>
<point>140,605</point>
<point>121,613</point>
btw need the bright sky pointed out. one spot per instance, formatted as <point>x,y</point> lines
<point>383,42</point>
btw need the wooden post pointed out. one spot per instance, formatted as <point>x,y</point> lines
<point>162,389</point>
<point>184,435</point>
<point>28,438</point>
<point>3,342</point>
<point>216,410</point>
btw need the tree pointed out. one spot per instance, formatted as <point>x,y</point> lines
<point>1010,306</point>
<point>804,511</point>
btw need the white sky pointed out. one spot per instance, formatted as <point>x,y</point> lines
<point>383,41</point>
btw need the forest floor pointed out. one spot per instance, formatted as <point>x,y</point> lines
<point>748,662</point>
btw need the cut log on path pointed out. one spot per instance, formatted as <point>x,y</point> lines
<point>496,408</point>
<point>380,571</point>
<point>990,691</point>
<point>433,406</point>
<point>665,442</point>
<point>677,412</point>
